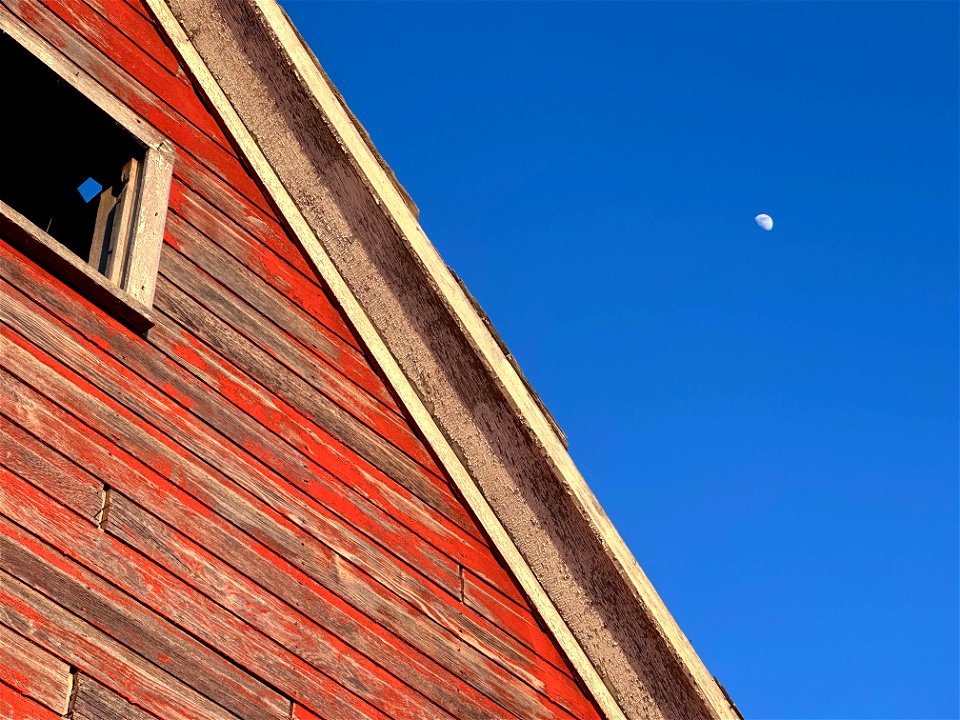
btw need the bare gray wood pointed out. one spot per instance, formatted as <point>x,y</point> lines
<point>34,672</point>
<point>95,701</point>
<point>156,118</point>
<point>249,217</point>
<point>253,361</point>
<point>269,570</point>
<point>25,455</point>
<point>479,633</point>
<point>338,474</point>
<point>279,310</point>
<point>374,448</point>
<point>196,613</point>
<point>269,253</point>
<point>466,624</point>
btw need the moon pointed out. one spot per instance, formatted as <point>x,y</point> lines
<point>764,221</point>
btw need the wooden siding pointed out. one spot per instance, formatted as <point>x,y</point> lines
<point>229,517</point>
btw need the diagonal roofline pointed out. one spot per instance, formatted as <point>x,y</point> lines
<point>440,356</point>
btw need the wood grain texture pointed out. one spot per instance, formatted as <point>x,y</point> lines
<point>192,394</point>
<point>444,642</point>
<point>134,24</point>
<point>225,320</point>
<point>321,649</point>
<point>55,258</point>
<point>270,570</point>
<point>134,625</point>
<point>512,617</point>
<point>95,701</point>
<point>255,477</point>
<point>257,245</point>
<point>315,342</point>
<point>338,474</point>
<point>273,572</point>
<point>251,218</point>
<point>360,439</point>
<point>61,633</point>
<point>33,672</point>
<point>172,598</point>
<point>16,706</point>
<point>24,455</point>
<point>105,34</point>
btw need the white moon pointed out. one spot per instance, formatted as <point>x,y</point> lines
<point>764,221</point>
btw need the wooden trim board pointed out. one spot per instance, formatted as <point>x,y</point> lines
<point>139,235</point>
<point>467,400</point>
<point>46,251</point>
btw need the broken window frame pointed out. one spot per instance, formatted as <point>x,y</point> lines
<point>120,273</point>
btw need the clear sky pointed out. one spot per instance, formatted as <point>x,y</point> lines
<point>769,418</point>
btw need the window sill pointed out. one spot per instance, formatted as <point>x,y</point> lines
<point>47,252</point>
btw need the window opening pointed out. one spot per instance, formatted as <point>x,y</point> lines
<point>68,167</point>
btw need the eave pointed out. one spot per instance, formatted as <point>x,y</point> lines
<point>472,407</point>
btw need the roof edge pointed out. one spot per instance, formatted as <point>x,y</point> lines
<point>476,413</point>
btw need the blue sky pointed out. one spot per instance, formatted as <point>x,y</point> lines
<point>770,419</point>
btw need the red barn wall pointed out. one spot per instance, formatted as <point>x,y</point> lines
<point>229,517</point>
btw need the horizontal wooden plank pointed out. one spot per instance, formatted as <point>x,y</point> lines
<point>24,455</point>
<point>288,569</point>
<point>469,625</point>
<point>251,473</point>
<point>189,391</point>
<point>32,671</point>
<point>173,599</point>
<point>15,706</point>
<point>186,389</point>
<point>270,254</point>
<point>349,431</point>
<point>301,713</point>
<point>46,251</point>
<point>249,245</point>
<point>95,701</point>
<point>270,570</point>
<point>237,593</point>
<point>338,474</point>
<point>459,621</point>
<point>225,320</point>
<point>355,435</point>
<point>129,622</point>
<point>301,331</point>
<point>107,38</point>
<point>515,619</point>
<point>201,173</point>
<point>256,220</point>
<point>136,26</point>
<point>81,645</point>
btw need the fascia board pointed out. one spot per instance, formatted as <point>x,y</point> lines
<point>612,647</point>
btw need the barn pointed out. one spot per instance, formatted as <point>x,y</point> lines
<point>263,457</point>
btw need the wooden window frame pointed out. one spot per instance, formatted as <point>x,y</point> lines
<point>126,287</point>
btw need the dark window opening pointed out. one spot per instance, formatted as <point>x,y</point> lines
<point>67,166</point>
